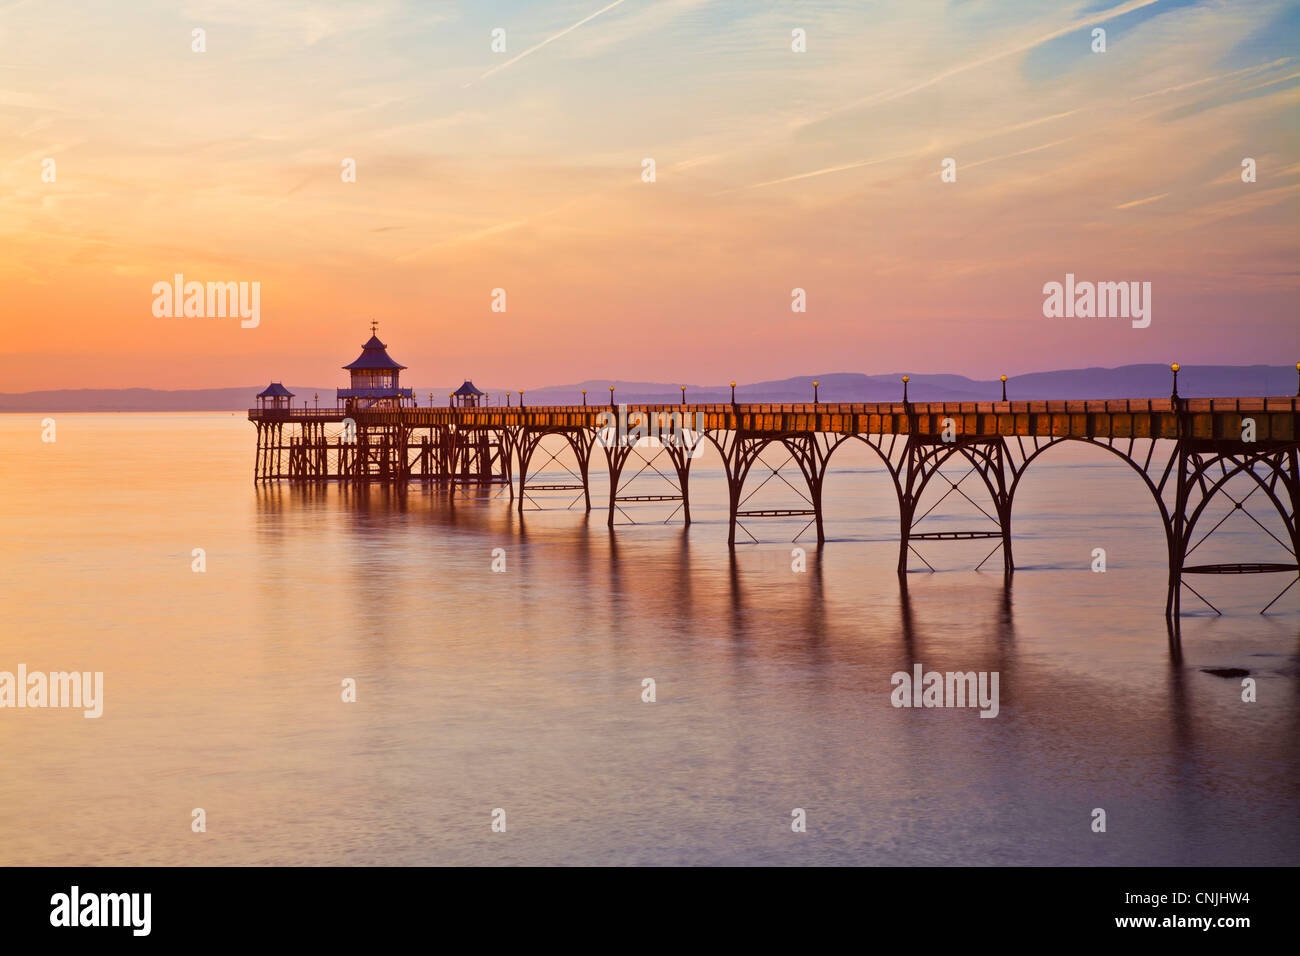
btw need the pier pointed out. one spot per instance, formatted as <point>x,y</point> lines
<point>1185,451</point>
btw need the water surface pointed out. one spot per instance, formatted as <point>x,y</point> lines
<point>522,690</point>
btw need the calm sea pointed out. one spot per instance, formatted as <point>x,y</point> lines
<point>522,690</point>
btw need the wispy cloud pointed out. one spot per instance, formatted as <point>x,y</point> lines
<point>1249,202</point>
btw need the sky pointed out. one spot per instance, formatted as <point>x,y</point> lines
<point>523,170</point>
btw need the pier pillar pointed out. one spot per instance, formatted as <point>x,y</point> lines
<point>924,456</point>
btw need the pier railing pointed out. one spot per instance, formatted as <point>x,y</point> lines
<point>296,414</point>
<point>1275,418</point>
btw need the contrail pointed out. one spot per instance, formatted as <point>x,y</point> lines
<point>550,39</point>
<point>1210,79</point>
<point>1260,86</point>
<point>1019,152</point>
<point>1029,45</point>
<point>1024,46</point>
<point>1140,202</point>
<point>835,169</point>
<point>1098,17</point>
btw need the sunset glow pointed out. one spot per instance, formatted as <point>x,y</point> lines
<point>775,170</point>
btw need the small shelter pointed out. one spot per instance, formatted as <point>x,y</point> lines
<point>467,396</point>
<point>274,395</point>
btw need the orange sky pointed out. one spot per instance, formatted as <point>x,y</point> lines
<point>522,170</point>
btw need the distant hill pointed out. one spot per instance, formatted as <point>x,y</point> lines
<point>1127,381</point>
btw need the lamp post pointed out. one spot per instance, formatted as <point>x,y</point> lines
<point>1174,368</point>
<point>905,378</point>
<point>611,396</point>
<point>815,399</point>
<point>1004,388</point>
<point>316,398</point>
<point>521,398</point>
<point>684,388</point>
<point>584,398</point>
<point>733,393</point>
<point>451,399</point>
<point>1297,379</point>
<point>508,399</point>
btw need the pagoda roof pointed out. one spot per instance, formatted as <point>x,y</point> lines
<point>468,389</point>
<point>374,355</point>
<point>275,390</point>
